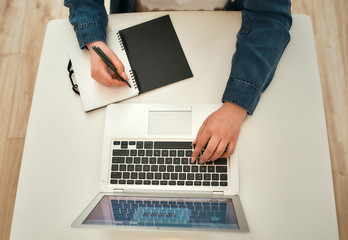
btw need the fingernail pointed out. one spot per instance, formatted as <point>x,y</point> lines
<point>193,159</point>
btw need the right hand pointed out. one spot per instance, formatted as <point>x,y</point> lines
<point>100,71</point>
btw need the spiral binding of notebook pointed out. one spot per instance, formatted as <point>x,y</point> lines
<point>132,75</point>
<point>120,40</point>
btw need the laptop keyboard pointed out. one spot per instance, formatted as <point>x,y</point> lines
<point>163,163</point>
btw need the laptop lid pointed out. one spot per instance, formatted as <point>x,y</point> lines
<point>158,122</point>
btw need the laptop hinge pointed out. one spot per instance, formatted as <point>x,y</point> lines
<point>218,192</point>
<point>118,190</point>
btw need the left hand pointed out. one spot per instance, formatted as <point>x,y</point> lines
<point>219,133</point>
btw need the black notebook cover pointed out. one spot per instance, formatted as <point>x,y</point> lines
<point>155,54</point>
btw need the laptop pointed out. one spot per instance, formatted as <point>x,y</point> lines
<point>147,178</point>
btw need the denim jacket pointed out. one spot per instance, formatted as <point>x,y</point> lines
<point>261,40</point>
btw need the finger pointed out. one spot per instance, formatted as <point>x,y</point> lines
<point>229,150</point>
<point>219,151</point>
<point>109,81</point>
<point>209,150</point>
<point>201,143</point>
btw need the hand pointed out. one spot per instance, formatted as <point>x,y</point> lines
<point>100,71</point>
<point>219,133</point>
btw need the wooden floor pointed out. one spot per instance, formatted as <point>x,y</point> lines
<point>22,29</point>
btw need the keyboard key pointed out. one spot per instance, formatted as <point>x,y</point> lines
<point>121,181</point>
<point>152,160</point>
<point>172,153</point>
<point>189,183</point>
<point>178,168</point>
<point>141,153</point>
<point>172,145</point>
<point>155,182</point>
<point>130,167</point>
<point>129,160</point>
<point>198,183</point>
<point>162,168</point>
<point>149,153</point>
<point>166,176</point>
<point>140,145</point>
<point>184,161</point>
<point>147,182</point>
<point>169,160</point>
<point>180,183</point>
<point>124,145</point>
<point>202,168</point>
<point>215,176</point>
<point>132,143</point>
<point>220,161</point>
<point>138,182</point>
<point>138,168</point>
<point>114,167</point>
<point>160,160</point>
<point>136,160</point>
<point>126,175</point>
<point>223,176</point>
<point>198,176</point>
<point>207,176</point>
<point>211,169</point>
<point>188,153</point>
<point>116,142</point>
<point>221,169</point>
<point>205,183</point>
<point>134,175</point>
<point>130,181</point>
<point>144,160</point>
<point>113,181</point>
<point>164,182</point>
<point>122,168</point>
<point>118,159</point>
<point>181,153</point>
<point>116,175</point>
<point>157,153</point>
<point>120,152</point>
<point>148,145</point>
<point>174,176</point>
<point>224,184</point>
<point>141,175</point>
<point>170,168</point>
<point>164,153</point>
<point>190,176</point>
<point>194,169</point>
<point>133,152</point>
<point>182,176</point>
<point>172,182</point>
<point>187,168</point>
<point>149,176</point>
<point>154,168</point>
<point>176,160</point>
<point>158,175</point>
<point>215,183</point>
<point>146,168</point>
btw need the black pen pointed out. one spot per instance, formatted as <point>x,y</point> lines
<point>109,63</point>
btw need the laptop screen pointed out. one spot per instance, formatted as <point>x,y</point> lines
<point>165,212</point>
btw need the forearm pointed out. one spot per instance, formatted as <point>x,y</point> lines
<point>89,19</point>
<point>261,41</point>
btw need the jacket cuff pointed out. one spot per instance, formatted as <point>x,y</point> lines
<point>242,94</point>
<point>83,32</point>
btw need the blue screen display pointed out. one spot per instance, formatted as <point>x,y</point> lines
<point>164,212</point>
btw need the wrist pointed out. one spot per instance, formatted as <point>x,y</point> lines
<point>96,43</point>
<point>235,109</point>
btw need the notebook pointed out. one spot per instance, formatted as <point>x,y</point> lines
<point>152,57</point>
<point>147,179</point>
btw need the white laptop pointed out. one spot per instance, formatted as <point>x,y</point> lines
<point>148,180</point>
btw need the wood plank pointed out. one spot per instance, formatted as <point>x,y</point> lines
<point>9,173</point>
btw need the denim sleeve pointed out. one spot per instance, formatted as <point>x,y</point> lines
<point>89,19</point>
<point>263,36</point>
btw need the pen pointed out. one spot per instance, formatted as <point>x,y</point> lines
<point>109,63</point>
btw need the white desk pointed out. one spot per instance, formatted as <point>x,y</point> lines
<point>285,175</point>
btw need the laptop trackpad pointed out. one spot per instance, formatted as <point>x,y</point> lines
<point>170,121</point>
